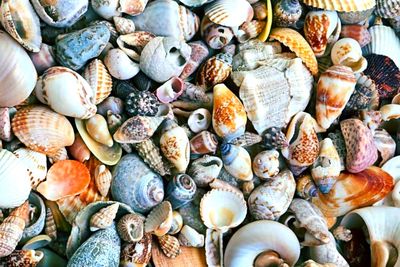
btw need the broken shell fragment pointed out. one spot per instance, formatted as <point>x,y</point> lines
<point>189,237</point>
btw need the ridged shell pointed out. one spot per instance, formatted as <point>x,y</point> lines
<point>352,191</point>
<point>150,153</point>
<point>271,199</point>
<point>387,8</point>
<point>247,139</point>
<point>124,25</point>
<point>133,43</point>
<point>204,142</point>
<point>159,220</point>
<point>26,258</point>
<point>35,163</point>
<point>250,30</point>
<point>341,5</point>
<point>139,253</point>
<point>104,218</point>
<point>131,228</point>
<point>385,145</point>
<point>365,95</point>
<point>214,71</point>
<point>41,129</point>
<point>169,245</point>
<point>287,13</point>
<point>50,227</point>
<point>99,80</point>
<point>229,13</point>
<point>359,33</point>
<point>297,44</point>
<point>60,154</point>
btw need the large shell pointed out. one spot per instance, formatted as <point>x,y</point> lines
<point>353,191</point>
<point>35,163</point>
<point>347,52</point>
<point>237,161</point>
<point>41,129</point>
<point>99,80</point>
<point>159,220</point>
<point>131,228</point>
<point>229,13</point>
<point>16,71</point>
<point>205,169</point>
<point>137,253</point>
<point>222,210</point>
<point>335,87</point>
<point>261,236</point>
<point>271,199</point>
<point>104,218</point>
<point>387,8</point>
<point>339,5</point>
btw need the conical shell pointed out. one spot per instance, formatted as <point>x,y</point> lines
<point>66,92</point>
<point>287,13</point>
<point>131,228</point>
<point>35,163</point>
<point>297,44</point>
<point>352,191</point>
<point>139,253</point>
<point>387,8</point>
<point>237,161</point>
<point>102,178</point>
<point>96,74</point>
<point>229,13</point>
<point>41,129</point>
<point>104,218</point>
<point>50,226</point>
<point>341,5</point>
<point>28,258</point>
<point>222,210</point>
<point>169,245</point>
<point>133,43</point>
<point>360,147</point>
<point>11,229</point>
<point>79,150</point>
<point>247,139</point>
<point>124,25</point>
<point>97,128</point>
<point>151,155</point>
<point>250,30</point>
<point>159,221</point>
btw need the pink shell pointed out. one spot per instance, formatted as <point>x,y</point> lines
<point>170,90</point>
<point>359,33</point>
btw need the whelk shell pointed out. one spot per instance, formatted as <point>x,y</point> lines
<point>151,155</point>
<point>131,228</point>
<point>159,220</point>
<point>104,218</point>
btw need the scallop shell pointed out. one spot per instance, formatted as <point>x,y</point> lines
<point>177,223</point>
<point>385,145</point>
<point>189,237</point>
<point>352,191</point>
<point>41,129</point>
<point>237,161</point>
<point>359,33</point>
<point>97,128</point>
<point>271,199</point>
<point>104,218</point>
<point>150,153</point>
<point>133,43</point>
<point>137,253</point>
<point>60,154</point>
<point>169,245</point>
<point>50,226</point>
<point>131,228</point>
<point>35,163</point>
<point>159,221</point>
<point>21,22</point>
<point>266,164</point>
<point>343,6</point>
<point>124,25</point>
<point>229,13</point>
<point>387,8</point>
<point>347,52</point>
<point>99,80</point>
<point>296,43</point>
<point>222,210</point>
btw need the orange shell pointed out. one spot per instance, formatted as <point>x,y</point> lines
<point>65,178</point>
<point>355,190</point>
<point>341,5</point>
<point>297,44</point>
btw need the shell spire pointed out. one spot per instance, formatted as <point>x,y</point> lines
<point>151,155</point>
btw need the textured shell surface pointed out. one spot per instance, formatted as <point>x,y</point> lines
<point>132,7</point>
<point>286,13</point>
<point>266,164</point>
<point>23,257</point>
<point>204,142</point>
<point>305,187</point>
<point>347,52</point>
<point>96,74</point>
<point>344,6</point>
<point>137,253</point>
<point>250,30</point>
<point>199,53</point>
<point>205,169</point>
<point>104,218</point>
<point>387,9</point>
<point>124,25</point>
<point>328,253</point>
<point>359,33</point>
<point>169,245</point>
<point>392,167</point>
<point>151,155</point>
<point>271,199</point>
<point>385,145</point>
<point>159,220</point>
<point>229,13</point>
<point>50,227</point>
<point>214,71</point>
<point>102,178</point>
<point>37,217</point>
<point>189,237</point>
<point>215,35</point>
<point>365,95</point>
<point>247,139</point>
<point>35,163</point>
<point>131,228</point>
<point>180,190</point>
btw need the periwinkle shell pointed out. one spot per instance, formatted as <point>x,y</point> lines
<point>181,190</point>
<point>135,184</point>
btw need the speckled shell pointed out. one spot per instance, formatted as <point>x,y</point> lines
<point>287,13</point>
<point>385,145</point>
<point>131,228</point>
<point>266,164</point>
<point>21,22</point>
<point>365,95</point>
<point>132,7</point>
<point>347,52</point>
<point>99,80</point>
<point>138,254</point>
<point>205,169</point>
<point>359,33</point>
<point>203,143</point>
<point>104,218</point>
<point>271,199</point>
<point>180,190</point>
<point>352,191</point>
<point>124,25</point>
<point>237,161</point>
<point>41,129</point>
<point>159,220</point>
<point>360,147</point>
<point>133,43</point>
<point>60,13</point>
<point>274,138</point>
<point>28,258</point>
<point>169,245</point>
<point>335,86</point>
<point>305,187</point>
<point>150,153</point>
<point>214,71</point>
<point>229,13</point>
<point>215,35</point>
<point>346,5</point>
<point>387,8</point>
<point>35,163</point>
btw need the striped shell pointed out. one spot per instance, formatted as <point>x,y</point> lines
<point>96,74</point>
<point>104,218</point>
<point>159,221</point>
<point>359,33</point>
<point>50,226</point>
<point>169,245</point>
<point>60,154</point>
<point>215,70</point>
<point>229,12</point>
<point>35,163</point>
<point>341,5</point>
<point>387,8</point>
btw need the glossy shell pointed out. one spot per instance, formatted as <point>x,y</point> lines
<point>180,190</point>
<point>35,163</point>
<point>159,220</point>
<point>237,161</point>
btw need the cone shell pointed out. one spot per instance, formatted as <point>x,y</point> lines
<point>97,128</point>
<point>131,228</point>
<point>35,163</point>
<point>353,191</point>
<point>361,150</point>
<point>222,210</point>
<point>229,116</point>
<point>124,25</point>
<point>297,44</point>
<point>65,178</point>
<point>96,74</point>
<point>237,161</point>
<point>137,253</point>
<point>215,70</point>
<point>79,150</point>
<point>335,87</point>
<point>203,143</point>
<point>159,221</point>
<point>151,155</point>
<point>169,245</point>
<point>41,129</point>
<point>104,218</point>
<point>229,13</point>
<point>343,6</point>
<point>359,33</point>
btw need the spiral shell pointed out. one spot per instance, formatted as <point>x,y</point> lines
<point>131,228</point>
<point>215,70</point>
<point>204,142</point>
<point>104,218</point>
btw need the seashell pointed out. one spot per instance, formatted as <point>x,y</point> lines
<point>167,18</point>
<point>297,44</point>
<point>104,218</point>
<point>79,150</point>
<point>306,188</point>
<point>203,143</point>
<point>360,147</point>
<point>229,116</point>
<point>215,35</point>
<point>352,191</point>
<point>135,184</point>
<point>137,253</point>
<point>214,248</point>
<point>29,258</point>
<point>254,243</point>
<point>266,164</point>
<point>287,13</point>
<point>260,10</point>
<point>50,226</point>
<point>396,195</point>
<point>114,121</point>
<point>326,169</point>
<point>343,6</point>
<point>355,17</point>
<point>199,120</point>
<point>197,56</point>
<point>229,13</point>
<point>274,138</point>
<point>101,249</point>
<point>141,103</point>
<point>205,169</point>
<point>303,147</point>
<point>359,33</point>
<point>60,154</point>
<point>159,220</point>
<point>215,70</point>
<point>120,65</point>
<point>97,128</point>
<point>21,77</point>
<point>57,186</point>
<point>342,233</point>
<point>373,118</point>
<point>111,103</point>
<point>131,228</point>
<point>133,44</point>
<point>387,9</point>
<point>37,242</point>
<point>247,139</point>
<point>170,90</point>
<point>137,129</point>
<point>365,95</point>
<point>99,80</point>
<point>43,59</point>
<point>132,7</point>
<point>222,185</point>
<point>60,84</point>
<point>347,52</point>
<point>21,22</point>
<point>385,145</point>
<point>271,199</point>
<point>11,229</point>
<point>5,124</point>
<point>123,25</point>
<point>175,146</point>
<point>173,53</point>
<point>177,223</point>
<point>237,161</point>
<point>189,237</point>
<point>35,163</point>
<point>106,9</point>
<point>392,168</point>
<point>328,253</point>
<point>151,155</point>
<point>102,178</point>
<point>180,190</point>
<point>222,210</point>
<point>320,29</point>
<point>334,90</point>
<point>249,30</point>
<point>169,245</point>
<point>37,217</point>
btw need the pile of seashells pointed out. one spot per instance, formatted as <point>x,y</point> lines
<point>232,133</point>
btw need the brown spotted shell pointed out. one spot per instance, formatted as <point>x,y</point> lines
<point>215,70</point>
<point>169,245</point>
<point>26,258</point>
<point>137,253</point>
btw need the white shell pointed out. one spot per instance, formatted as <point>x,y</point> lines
<point>229,13</point>
<point>35,163</point>
<point>256,237</point>
<point>327,253</point>
<point>392,167</point>
<point>106,9</point>
<point>214,248</point>
<point>347,52</point>
<point>120,65</point>
<point>189,237</point>
<point>266,164</point>
<point>15,184</point>
<point>199,120</point>
<point>396,195</point>
<point>66,92</point>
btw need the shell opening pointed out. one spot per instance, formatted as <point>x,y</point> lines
<point>383,254</point>
<point>38,255</point>
<point>175,56</point>
<point>269,258</point>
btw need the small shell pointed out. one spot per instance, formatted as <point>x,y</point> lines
<point>79,150</point>
<point>306,188</point>
<point>247,139</point>
<point>131,228</point>
<point>222,210</point>
<point>260,10</point>
<point>99,80</point>
<point>111,103</point>
<point>344,6</point>
<point>159,221</point>
<point>215,35</point>
<point>102,178</point>
<point>214,248</point>
<point>106,9</point>
<point>237,161</point>
<point>169,245</point>
<point>132,7</point>
<point>5,125</point>
<point>365,95</point>
<point>60,154</point>
<point>347,52</point>
<point>50,226</point>
<point>150,153</point>
<point>177,223</point>
<point>359,33</point>
<point>124,25</point>
<point>215,70</point>
<point>287,13</point>
<point>204,142</point>
<point>114,121</point>
<point>35,163</point>
<point>43,59</point>
<point>385,145</point>
<point>199,120</point>
<point>205,169</point>
<point>133,43</point>
<point>229,13</point>
<point>189,237</point>
<point>139,253</point>
<point>120,65</point>
<point>249,30</point>
<point>266,164</point>
<point>97,128</point>
<point>170,90</point>
<point>274,138</point>
<point>28,258</point>
<point>197,56</point>
<point>104,218</point>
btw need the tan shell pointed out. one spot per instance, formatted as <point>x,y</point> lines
<point>50,227</point>
<point>341,5</point>
<point>133,43</point>
<point>229,13</point>
<point>35,163</point>
<point>214,248</point>
<point>131,227</point>
<point>124,25</point>
<point>79,150</point>
<point>132,7</point>
<point>169,245</point>
<point>104,218</point>
<point>151,155</point>
<point>137,253</point>
<point>189,237</point>
<point>159,221</point>
<point>60,154</point>
<point>41,129</point>
<point>250,30</point>
<point>177,223</point>
<point>327,253</point>
<point>97,128</point>
<point>96,74</point>
<point>347,52</point>
<point>102,178</point>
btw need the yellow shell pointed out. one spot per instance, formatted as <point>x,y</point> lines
<point>104,217</point>
<point>341,5</point>
<point>267,29</point>
<point>97,128</point>
<point>96,74</point>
